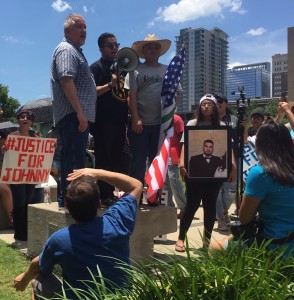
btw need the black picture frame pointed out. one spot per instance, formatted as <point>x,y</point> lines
<point>218,167</point>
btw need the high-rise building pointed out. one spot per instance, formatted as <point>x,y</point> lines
<point>205,66</point>
<point>279,74</point>
<point>255,78</point>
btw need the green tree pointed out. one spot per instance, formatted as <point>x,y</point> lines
<point>272,107</point>
<point>8,104</point>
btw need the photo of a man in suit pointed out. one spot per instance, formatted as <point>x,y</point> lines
<point>205,164</point>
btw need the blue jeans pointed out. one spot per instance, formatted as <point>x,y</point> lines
<point>174,187</point>
<point>143,146</point>
<point>225,198</point>
<point>74,144</point>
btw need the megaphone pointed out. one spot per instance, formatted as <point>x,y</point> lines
<point>127,59</point>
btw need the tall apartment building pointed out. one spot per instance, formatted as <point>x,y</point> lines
<point>279,74</point>
<point>205,66</point>
<point>254,77</point>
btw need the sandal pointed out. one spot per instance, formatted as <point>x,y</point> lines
<point>179,248</point>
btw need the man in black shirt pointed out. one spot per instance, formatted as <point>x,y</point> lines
<point>111,115</point>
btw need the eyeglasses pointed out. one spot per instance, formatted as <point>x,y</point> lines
<point>112,46</point>
<point>25,116</point>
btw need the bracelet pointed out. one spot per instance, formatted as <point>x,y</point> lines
<point>182,167</point>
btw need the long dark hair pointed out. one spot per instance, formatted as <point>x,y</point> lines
<point>275,150</point>
<point>214,118</point>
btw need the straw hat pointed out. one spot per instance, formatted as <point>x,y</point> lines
<point>151,38</point>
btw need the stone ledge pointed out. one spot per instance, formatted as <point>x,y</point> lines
<point>44,219</point>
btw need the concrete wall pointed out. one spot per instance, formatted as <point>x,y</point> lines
<point>45,219</point>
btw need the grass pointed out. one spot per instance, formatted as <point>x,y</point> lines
<point>12,263</point>
<point>237,274</point>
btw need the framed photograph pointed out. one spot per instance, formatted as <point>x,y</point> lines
<point>208,153</point>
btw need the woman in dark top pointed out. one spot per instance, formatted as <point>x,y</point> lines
<point>22,193</point>
<point>197,191</point>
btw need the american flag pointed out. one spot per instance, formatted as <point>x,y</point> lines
<point>156,173</point>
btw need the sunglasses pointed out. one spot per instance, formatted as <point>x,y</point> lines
<point>25,116</point>
<point>112,46</point>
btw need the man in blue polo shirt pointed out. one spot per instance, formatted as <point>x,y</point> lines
<point>93,242</point>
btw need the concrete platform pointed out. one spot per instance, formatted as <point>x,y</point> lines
<point>45,219</point>
<point>162,248</point>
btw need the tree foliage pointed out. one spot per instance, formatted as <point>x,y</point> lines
<point>8,104</point>
<point>270,108</point>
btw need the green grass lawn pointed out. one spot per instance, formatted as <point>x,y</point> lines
<point>12,263</point>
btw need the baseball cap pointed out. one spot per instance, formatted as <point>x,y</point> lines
<point>208,97</point>
<point>258,113</point>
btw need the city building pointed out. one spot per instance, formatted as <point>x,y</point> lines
<point>205,66</point>
<point>255,79</point>
<point>279,74</point>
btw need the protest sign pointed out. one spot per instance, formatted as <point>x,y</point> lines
<point>27,159</point>
<point>249,157</point>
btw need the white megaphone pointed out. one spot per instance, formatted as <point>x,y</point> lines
<point>127,59</point>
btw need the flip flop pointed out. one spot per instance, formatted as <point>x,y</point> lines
<point>179,248</point>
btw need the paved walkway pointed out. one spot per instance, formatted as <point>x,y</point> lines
<point>164,246</point>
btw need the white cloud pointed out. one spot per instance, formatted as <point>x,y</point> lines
<point>13,40</point>
<point>257,31</point>
<point>187,10</point>
<point>10,39</point>
<point>60,5</point>
<point>248,49</point>
<point>235,64</point>
<point>236,7</point>
<point>85,9</point>
<point>150,24</point>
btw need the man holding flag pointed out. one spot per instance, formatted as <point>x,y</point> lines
<point>152,89</point>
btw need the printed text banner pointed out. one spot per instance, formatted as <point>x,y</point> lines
<point>27,159</point>
<point>250,158</point>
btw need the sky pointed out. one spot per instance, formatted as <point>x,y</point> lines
<point>31,29</point>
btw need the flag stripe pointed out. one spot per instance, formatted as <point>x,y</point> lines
<point>156,173</point>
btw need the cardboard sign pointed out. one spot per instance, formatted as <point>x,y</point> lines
<point>249,157</point>
<point>27,159</point>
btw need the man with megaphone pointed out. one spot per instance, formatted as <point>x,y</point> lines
<point>111,114</point>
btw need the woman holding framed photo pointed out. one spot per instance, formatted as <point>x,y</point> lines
<point>206,189</point>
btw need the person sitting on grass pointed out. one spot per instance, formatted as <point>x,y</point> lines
<point>270,190</point>
<point>92,243</point>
